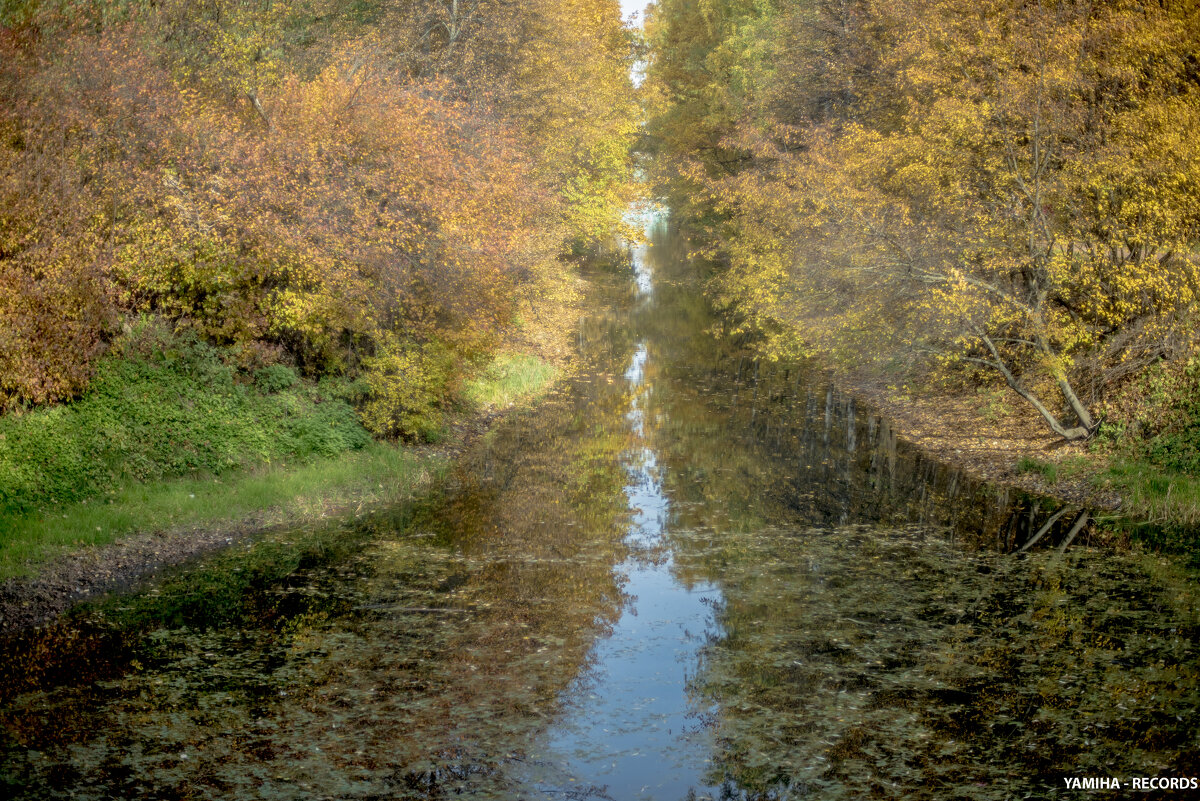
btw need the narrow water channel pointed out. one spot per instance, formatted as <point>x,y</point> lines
<point>631,729</point>
<point>686,574</point>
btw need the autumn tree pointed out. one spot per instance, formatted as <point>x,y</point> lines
<point>74,140</point>
<point>1011,186</point>
<point>708,64</point>
<point>557,72</point>
<point>370,188</point>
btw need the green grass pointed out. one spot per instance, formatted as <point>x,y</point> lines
<point>281,493</point>
<point>1047,470</point>
<point>511,379</point>
<point>171,438</point>
<point>164,406</point>
<point>1161,505</point>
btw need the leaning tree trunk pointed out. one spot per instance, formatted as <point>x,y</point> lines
<point>1083,417</point>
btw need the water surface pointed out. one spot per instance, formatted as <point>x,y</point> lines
<point>686,574</point>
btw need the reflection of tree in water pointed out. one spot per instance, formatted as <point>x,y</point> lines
<point>424,661</point>
<point>858,662</point>
<point>820,458</point>
<point>756,440</point>
<point>901,647</point>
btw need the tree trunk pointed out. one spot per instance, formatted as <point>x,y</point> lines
<point>1084,418</point>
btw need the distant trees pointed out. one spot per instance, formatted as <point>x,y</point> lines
<point>342,181</point>
<point>1008,185</point>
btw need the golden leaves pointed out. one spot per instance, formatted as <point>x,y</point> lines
<point>218,166</point>
<point>931,172</point>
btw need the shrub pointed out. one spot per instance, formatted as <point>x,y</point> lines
<point>275,378</point>
<point>407,385</point>
<point>1157,418</point>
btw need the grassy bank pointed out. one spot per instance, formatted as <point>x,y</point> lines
<point>162,445</point>
<point>162,406</point>
<point>1150,494</point>
<point>1159,506</point>
<point>511,378</point>
<point>265,496</point>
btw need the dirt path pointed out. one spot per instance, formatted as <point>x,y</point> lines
<point>63,582</point>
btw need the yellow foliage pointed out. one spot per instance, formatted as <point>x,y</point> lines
<point>301,173</point>
<point>999,184</point>
<point>408,385</point>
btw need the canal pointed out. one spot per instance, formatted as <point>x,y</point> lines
<point>686,574</point>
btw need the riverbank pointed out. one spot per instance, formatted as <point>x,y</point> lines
<point>990,438</point>
<point>51,559</point>
<point>995,438</point>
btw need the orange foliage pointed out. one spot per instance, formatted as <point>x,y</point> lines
<point>329,215</point>
<point>347,184</point>
<point>353,205</point>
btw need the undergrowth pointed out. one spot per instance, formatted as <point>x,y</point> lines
<point>164,406</point>
<point>1152,434</point>
<point>169,436</point>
